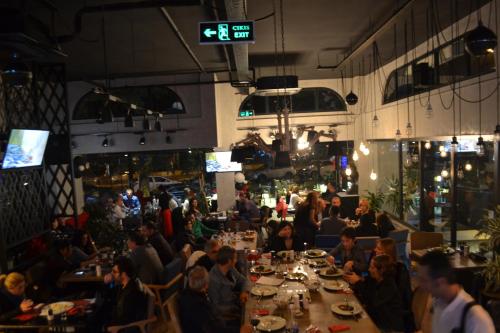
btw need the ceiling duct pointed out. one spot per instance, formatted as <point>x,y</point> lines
<point>277,85</point>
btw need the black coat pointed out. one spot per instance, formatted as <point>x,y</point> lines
<point>197,314</point>
<point>367,226</point>
<point>9,305</point>
<point>382,302</point>
<point>162,247</point>
<point>130,303</point>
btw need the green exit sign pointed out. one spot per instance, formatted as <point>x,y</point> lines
<point>226,32</point>
<point>247,113</point>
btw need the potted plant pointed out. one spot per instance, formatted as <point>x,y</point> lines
<point>393,195</point>
<point>491,272</point>
<point>375,199</point>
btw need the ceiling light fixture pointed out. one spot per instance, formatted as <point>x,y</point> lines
<point>158,123</point>
<point>375,121</point>
<point>105,142</point>
<point>142,140</point>
<point>454,143</point>
<point>428,145</point>
<point>351,98</point>
<point>480,147</point>
<point>168,139</point>
<point>355,156</point>
<point>398,135</point>
<point>481,40</point>
<point>429,111</point>
<point>468,166</point>
<point>129,119</point>
<point>373,175</point>
<point>348,171</point>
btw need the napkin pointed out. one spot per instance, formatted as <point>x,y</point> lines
<point>270,281</point>
<point>262,312</point>
<point>338,328</point>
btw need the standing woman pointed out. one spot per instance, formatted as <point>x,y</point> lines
<point>12,300</point>
<point>306,218</point>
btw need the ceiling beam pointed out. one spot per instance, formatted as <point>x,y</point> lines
<point>235,11</point>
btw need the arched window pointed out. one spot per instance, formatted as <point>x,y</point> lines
<point>158,98</point>
<point>306,101</point>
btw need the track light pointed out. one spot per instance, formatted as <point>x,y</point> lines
<point>105,142</point>
<point>129,120</point>
<point>158,124</point>
<point>168,139</point>
<point>142,141</point>
<point>145,124</point>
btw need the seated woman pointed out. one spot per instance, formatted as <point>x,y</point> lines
<point>12,299</point>
<point>285,239</point>
<point>384,225</point>
<point>367,227</point>
<point>379,294</point>
<point>84,242</point>
<point>351,257</point>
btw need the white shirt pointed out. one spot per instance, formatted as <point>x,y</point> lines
<point>118,214</point>
<point>294,200</point>
<point>172,204</point>
<point>446,317</point>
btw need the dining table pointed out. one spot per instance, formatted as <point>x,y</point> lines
<point>458,260</point>
<point>319,315</point>
<point>88,273</point>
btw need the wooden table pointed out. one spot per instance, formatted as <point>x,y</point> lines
<point>458,261</point>
<point>319,313</point>
<point>88,276</point>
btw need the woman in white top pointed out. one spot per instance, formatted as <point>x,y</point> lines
<point>295,199</point>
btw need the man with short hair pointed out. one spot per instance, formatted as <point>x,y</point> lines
<point>145,258</point>
<point>452,306</point>
<point>332,225</point>
<point>132,203</point>
<point>228,288</point>
<point>194,300</point>
<point>351,257</point>
<point>207,260</point>
<point>158,242</point>
<point>129,298</point>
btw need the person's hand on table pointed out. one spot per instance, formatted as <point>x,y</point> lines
<point>330,260</point>
<point>244,297</point>
<point>108,278</point>
<point>26,305</point>
<point>349,266</point>
<point>352,278</point>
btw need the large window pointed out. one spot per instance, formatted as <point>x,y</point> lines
<point>442,66</point>
<point>155,98</point>
<point>307,100</point>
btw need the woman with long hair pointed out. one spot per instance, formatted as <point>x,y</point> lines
<point>306,218</point>
<point>285,239</point>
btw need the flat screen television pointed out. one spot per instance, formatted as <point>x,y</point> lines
<point>220,161</point>
<point>25,148</point>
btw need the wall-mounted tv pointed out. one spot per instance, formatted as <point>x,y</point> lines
<point>25,148</point>
<point>220,161</point>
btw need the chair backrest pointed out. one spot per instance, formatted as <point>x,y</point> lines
<point>367,243</point>
<point>421,308</point>
<point>326,242</point>
<point>186,252</point>
<point>173,310</point>
<point>420,240</point>
<point>172,269</point>
<point>401,239</point>
<point>194,258</point>
<point>150,312</point>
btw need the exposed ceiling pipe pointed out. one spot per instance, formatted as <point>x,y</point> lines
<point>172,24</point>
<point>120,6</point>
<point>235,11</point>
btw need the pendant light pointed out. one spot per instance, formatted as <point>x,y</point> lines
<point>373,175</point>
<point>351,97</point>
<point>496,133</point>
<point>398,135</point>
<point>408,160</point>
<point>444,173</point>
<point>366,151</point>
<point>429,112</point>
<point>105,142</point>
<point>355,156</point>
<point>468,166</point>
<point>480,147</point>
<point>129,120</point>
<point>427,145</point>
<point>454,143</point>
<point>142,140</point>
<point>481,40</point>
<point>348,171</point>
<point>375,121</point>
<point>460,173</point>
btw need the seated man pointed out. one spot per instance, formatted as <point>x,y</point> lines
<point>332,225</point>
<point>128,297</point>
<point>146,261</point>
<point>212,248</point>
<point>194,300</point>
<point>132,203</point>
<point>351,257</point>
<point>228,288</point>
<point>60,261</point>
<point>158,242</point>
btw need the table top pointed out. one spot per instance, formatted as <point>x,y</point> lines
<point>319,313</point>
<point>458,261</point>
<point>84,275</point>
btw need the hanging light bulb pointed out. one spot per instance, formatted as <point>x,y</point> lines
<point>398,135</point>
<point>468,166</point>
<point>414,158</point>
<point>441,148</point>
<point>480,41</point>
<point>443,154</point>
<point>375,121</point>
<point>409,129</point>
<point>438,178</point>
<point>454,143</point>
<point>366,152</point>
<point>351,98</point>
<point>408,161</point>
<point>362,146</point>
<point>355,156</point>
<point>428,110</point>
<point>480,149</point>
<point>428,145</point>
<point>460,173</point>
<point>444,173</point>
<point>348,171</point>
<point>497,133</point>
<point>373,175</point>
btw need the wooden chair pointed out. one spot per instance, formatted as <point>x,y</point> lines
<point>161,293</point>
<point>186,252</point>
<point>173,310</point>
<point>194,258</point>
<point>420,240</point>
<point>143,325</point>
<point>421,308</point>
<point>367,244</point>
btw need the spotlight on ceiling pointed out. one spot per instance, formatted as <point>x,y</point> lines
<point>480,41</point>
<point>158,123</point>
<point>351,98</point>
<point>145,123</point>
<point>142,141</point>
<point>105,142</point>
<point>16,73</point>
<point>129,120</point>
<point>168,139</point>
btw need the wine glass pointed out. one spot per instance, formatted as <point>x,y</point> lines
<point>254,319</point>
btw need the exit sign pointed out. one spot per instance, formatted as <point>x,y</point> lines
<point>247,113</point>
<point>226,32</point>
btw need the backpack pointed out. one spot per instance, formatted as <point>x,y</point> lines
<point>465,310</point>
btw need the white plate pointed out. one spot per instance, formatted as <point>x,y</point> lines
<point>317,263</point>
<point>316,253</point>
<point>271,323</point>
<point>57,308</point>
<point>264,291</point>
<point>262,269</point>
<point>295,276</point>
<point>356,309</point>
<point>335,285</point>
<point>324,273</point>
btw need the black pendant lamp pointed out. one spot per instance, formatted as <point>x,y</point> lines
<point>351,98</point>
<point>480,41</point>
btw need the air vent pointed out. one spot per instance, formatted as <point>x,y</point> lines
<point>277,85</point>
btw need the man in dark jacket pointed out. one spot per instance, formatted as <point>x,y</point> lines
<point>350,256</point>
<point>145,258</point>
<point>332,225</point>
<point>158,242</point>
<point>129,299</point>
